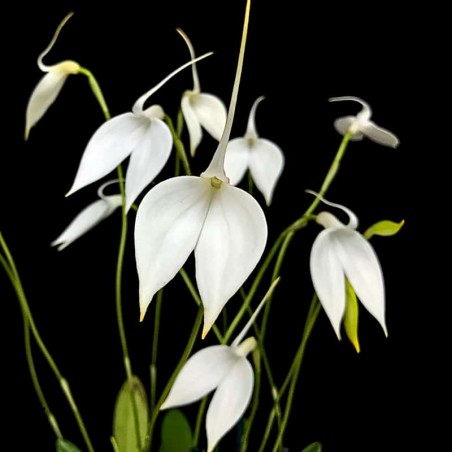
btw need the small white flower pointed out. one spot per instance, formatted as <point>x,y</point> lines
<point>48,88</point>
<point>225,370</point>
<point>361,125</point>
<point>264,158</point>
<point>141,134</point>
<point>201,110</point>
<point>340,252</point>
<point>89,217</point>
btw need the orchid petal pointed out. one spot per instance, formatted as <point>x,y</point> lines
<point>236,160</point>
<point>42,97</point>
<point>201,374</point>
<point>211,113</point>
<point>87,219</point>
<point>113,141</point>
<point>230,245</point>
<point>266,165</point>
<point>361,125</point>
<point>229,402</point>
<point>193,126</point>
<point>343,125</point>
<point>328,277</point>
<point>147,159</point>
<point>167,227</point>
<point>380,135</point>
<point>363,270</point>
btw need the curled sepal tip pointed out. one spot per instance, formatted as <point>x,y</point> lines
<point>50,85</point>
<point>360,125</point>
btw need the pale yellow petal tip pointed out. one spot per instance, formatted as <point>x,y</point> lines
<point>355,343</point>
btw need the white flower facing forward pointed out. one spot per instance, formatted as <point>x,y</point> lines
<point>224,369</point>
<point>141,134</point>
<point>341,252</point>
<point>361,125</point>
<point>48,88</point>
<point>89,217</point>
<point>264,158</point>
<point>201,110</point>
<point>223,224</point>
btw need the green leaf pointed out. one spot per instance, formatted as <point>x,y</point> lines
<point>384,228</point>
<point>176,433</point>
<point>314,447</point>
<point>130,416</point>
<point>63,445</point>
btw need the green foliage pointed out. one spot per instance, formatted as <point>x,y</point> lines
<point>314,447</point>
<point>63,445</point>
<point>384,228</point>
<point>176,433</point>
<point>131,416</point>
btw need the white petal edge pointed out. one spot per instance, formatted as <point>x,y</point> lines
<point>192,122</point>
<point>200,375</point>
<point>211,113</point>
<point>87,219</point>
<point>230,245</point>
<point>266,165</point>
<point>363,270</point>
<point>167,227</point>
<point>229,402</point>
<point>147,159</point>
<point>328,277</point>
<point>112,142</point>
<point>42,97</point>
<point>380,135</point>
<point>236,160</point>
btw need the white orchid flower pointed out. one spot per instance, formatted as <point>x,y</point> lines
<point>224,226</point>
<point>264,158</point>
<point>201,110</point>
<point>141,134</point>
<point>361,125</point>
<point>89,217</point>
<point>48,88</point>
<point>341,252</point>
<point>225,370</point>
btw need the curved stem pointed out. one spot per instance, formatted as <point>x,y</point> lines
<point>309,325</point>
<point>185,355</point>
<point>180,149</point>
<point>13,275</point>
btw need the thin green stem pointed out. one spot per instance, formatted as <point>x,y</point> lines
<point>199,418</point>
<point>183,359</point>
<point>198,300</point>
<point>95,88</point>
<point>11,271</point>
<point>180,149</point>
<point>309,325</point>
<point>155,340</point>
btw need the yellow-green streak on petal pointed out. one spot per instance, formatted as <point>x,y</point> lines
<point>351,316</point>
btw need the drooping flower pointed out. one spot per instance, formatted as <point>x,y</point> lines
<point>338,253</point>
<point>225,370</point>
<point>48,88</point>
<point>141,134</point>
<point>224,226</point>
<point>262,157</point>
<point>89,217</point>
<point>360,125</point>
<point>201,110</point>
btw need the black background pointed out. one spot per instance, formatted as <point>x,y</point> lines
<point>388,397</point>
